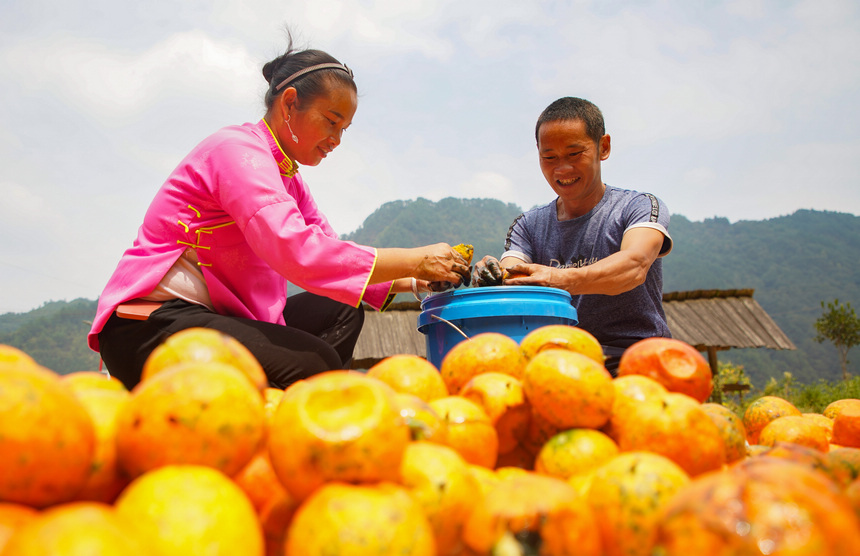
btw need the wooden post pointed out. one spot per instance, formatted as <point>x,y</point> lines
<point>712,360</point>
<point>717,395</point>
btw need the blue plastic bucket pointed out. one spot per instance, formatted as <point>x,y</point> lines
<point>510,310</point>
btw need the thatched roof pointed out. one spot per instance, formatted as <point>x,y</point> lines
<point>710,320</point>
<point>722,319</point>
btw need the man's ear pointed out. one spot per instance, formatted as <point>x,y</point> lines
<point>605,146</point>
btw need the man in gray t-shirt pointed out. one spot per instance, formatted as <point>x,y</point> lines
<point>600,243</point>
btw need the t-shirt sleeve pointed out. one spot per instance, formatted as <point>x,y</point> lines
<point>518,243</point>
<point>648,211</point>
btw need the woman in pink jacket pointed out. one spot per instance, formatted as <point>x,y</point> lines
<point>235,221</point>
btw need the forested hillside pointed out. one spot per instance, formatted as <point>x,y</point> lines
<point>55,335</point>
<point>481,222</point>
<point>792,262</point>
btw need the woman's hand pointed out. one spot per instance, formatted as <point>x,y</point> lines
<point>436,263</point>
<point>440,263</point>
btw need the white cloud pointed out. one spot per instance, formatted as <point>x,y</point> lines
<point>115,86</point>
<point>754,100</point>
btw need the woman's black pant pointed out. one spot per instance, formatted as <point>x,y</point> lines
<point>319,335</point>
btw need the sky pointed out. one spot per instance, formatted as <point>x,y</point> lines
<point>743,109</point>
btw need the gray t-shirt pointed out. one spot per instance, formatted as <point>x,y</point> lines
<point>537,236</point>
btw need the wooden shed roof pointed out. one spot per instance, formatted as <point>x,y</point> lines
<point>722,319</point>
<point>715,319</point>
<point>392,332</point>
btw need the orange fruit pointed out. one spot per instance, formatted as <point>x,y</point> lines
<point>14,358</point>
<point>360,520</point>
<point>629,391</point>
<point>47,438</point>
<point>189,509</point>
<point>105,480</point>
<point>483,353</point>
<point>675,364</point>
<point>485,477</point>
<point>410,374</point>
<point>204,345</point>
<point>527,513</point>
<point>258,481</point>
<point>502,398</point>
<point>824,422</point>
<point>731,429</point>
<point>84,380</point>
<point>834,408</point>
<point>77,529</point>
<point>13,517</point>
<point>811,458</point>
<point>569,389</point>
<point>271,399</point>
<point>562,336</point>
<point>575,452</point>
<point>762,411</point>
<point>520,457</point>
<point>539,432</point>
<point>511,471</point>
<point>338,426</point>
<point>846,425</point>
<point>469,430</point>
<point>439,479</point>
<point>852,492</point>
<point>627,494</point>
<point>193,413</point>
<point>759,505</point>
<point>795,429</point>
<point>275,517</point>
<point>676,427</point>
<point>582,482</point>
<point>844,465</point>
<point>423,421</point>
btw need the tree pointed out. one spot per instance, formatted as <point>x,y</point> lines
<point>840,325</point>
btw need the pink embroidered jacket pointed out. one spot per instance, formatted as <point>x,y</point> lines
<point>252,228</point>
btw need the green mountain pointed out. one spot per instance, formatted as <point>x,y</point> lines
<point>792,262</point>
<point>481,222</point>
<point>55,335</point>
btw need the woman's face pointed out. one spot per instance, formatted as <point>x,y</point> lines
<point>319,125</point>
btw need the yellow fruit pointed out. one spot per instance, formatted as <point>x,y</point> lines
<point>569,389</point>
<point>47,437</point>
<point>562,336</point>
<point>440,480</point>
<point>192,509</point>
<point>466,251</point>
<point>337,426</point>
<point>193,413</point>
<point>360,520</point>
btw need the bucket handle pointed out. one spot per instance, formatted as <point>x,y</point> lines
<point>451,324</point>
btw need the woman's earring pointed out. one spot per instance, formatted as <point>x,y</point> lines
<point>287,121</point>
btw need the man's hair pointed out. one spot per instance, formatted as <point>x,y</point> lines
<point>572,108</point>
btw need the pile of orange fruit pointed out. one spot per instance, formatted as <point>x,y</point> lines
<point>517,448</point>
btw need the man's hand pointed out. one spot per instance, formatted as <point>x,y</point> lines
<point>487,272</point>
<point>533,275</point>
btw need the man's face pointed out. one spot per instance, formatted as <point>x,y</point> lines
<point>570,161</point>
